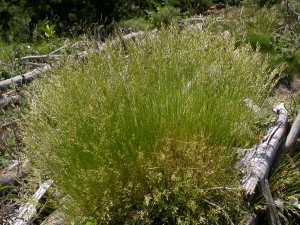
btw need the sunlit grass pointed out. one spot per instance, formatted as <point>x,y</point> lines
<point>150,139</point>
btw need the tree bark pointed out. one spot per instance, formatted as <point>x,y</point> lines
<point>256,163</point>
<point>288,144</point>
<point>23,79</point>
<point>272,211</point>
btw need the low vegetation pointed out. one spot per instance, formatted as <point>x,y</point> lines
<point>150,139</point>
<point>150,135</point>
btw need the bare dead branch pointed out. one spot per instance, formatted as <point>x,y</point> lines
<point>34,64</point>
<point>273,216</point>
<point>27,211</point>
<point>223,211</point>
<point>256,163</point>
<point>24,78</point>
<point>288,144</point>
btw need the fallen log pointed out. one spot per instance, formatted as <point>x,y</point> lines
<point>29,76</point>
<point>42,57</point>
<point>52,54</point>
<point>256,163</point>
<point>23,78</point>
<point>8,179</point>
<point>34,64</point>
<point>288,144</point>
<point>27,211</point>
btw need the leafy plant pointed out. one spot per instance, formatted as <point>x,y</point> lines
<point>286,43</point>
<point>49,31</point>
<point>164,16</point>
<point>8,196</point>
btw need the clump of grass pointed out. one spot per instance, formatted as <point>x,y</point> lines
<point>148,139</point>
<point>137,24</point>
<point>259,41</point>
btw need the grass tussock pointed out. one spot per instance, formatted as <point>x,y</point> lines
<point>148,139</point>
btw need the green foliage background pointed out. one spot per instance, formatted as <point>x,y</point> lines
<point>19,19</point>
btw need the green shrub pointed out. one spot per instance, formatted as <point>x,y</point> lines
<point>164,16</point>
<point>286,43</point>
<point>149,139</point>
<point>136,24</point>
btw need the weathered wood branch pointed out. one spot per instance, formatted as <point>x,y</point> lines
<point>23,79</point>
<point>40,57</point>
<point>272,211</point>
<point>256,163</point>
<point>59,49</point>
<point>50,55</point>
<point>34,64</point>
<point>222,210</point>
<point>27,211</point>
<point>288,144</point>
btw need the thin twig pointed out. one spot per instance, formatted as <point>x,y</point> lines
<point>27,211</point>
<point>223,211</point>
<point>272,212</point>
<point>224,188</point>
<point>58,50</point>
<point>34,64</point>
<point>40,57</point>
